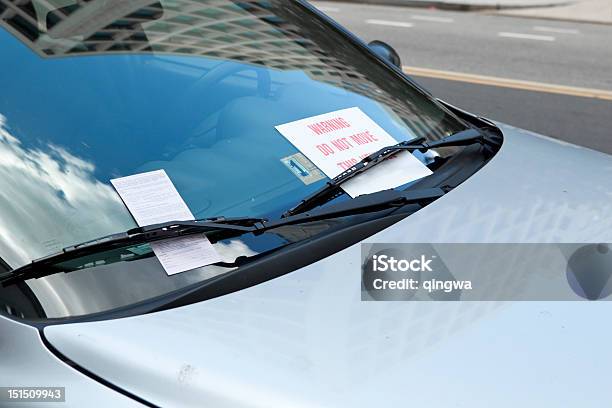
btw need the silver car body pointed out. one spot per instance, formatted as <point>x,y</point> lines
<point>306,339</point>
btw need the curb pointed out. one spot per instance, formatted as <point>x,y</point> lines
<point>459,5</point>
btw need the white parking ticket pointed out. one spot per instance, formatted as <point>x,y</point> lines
<point>151,198</point>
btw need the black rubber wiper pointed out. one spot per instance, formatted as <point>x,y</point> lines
<point>216,228</point>
<point>332,188</point>
<point>222,227</point>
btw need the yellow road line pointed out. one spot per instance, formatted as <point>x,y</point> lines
<point>509,83</point>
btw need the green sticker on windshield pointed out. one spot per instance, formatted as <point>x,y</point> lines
<point>140,249</point>
<point>303,168</point>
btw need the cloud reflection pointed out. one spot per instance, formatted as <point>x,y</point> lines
<point>50,199</point>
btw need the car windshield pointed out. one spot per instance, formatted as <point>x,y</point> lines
<point>95,90</point>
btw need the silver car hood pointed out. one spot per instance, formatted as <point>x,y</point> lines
<point>306,340</point>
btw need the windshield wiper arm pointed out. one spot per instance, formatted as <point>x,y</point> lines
<point>364,203</point>
<point>220,226</point>
<point>332,188</point>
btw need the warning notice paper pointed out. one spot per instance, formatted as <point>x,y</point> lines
<point>337,140</point>
<point>151,198</point>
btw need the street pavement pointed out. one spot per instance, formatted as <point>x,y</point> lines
<point>596,11</point>
<point>552,77</point>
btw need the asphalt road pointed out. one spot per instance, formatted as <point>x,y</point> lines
<point>561,54</point>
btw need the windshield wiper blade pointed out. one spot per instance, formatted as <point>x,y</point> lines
<point>220,226</point>
<point>172,229</point>
<point>332,188</point>
<point>139,235</point>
